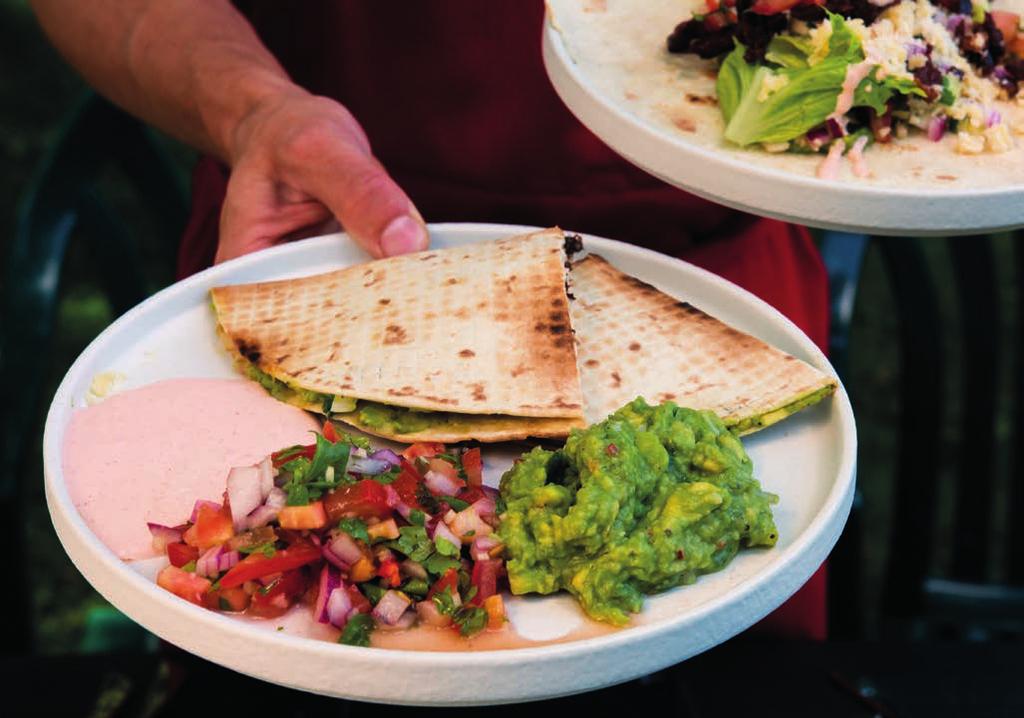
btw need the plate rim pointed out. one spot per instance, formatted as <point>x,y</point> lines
<point>833,510</point>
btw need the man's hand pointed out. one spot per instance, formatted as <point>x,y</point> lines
<point>297,161</point>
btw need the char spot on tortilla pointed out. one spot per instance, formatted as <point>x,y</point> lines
<point>247,350</point>
<point>384,301</point>
<point>478,392</point>
<point>501,317</point>
<point>555,328</point>
<point>521,369</point>
<point>281,358</point>
<point>701,99</point>
<point>634,346</point>
<point>686,124</point>
<point>616,379</point>
<point>404,391</point>
<point>562,342</point>
<point>560,401</point>
<point>377,276</point>
<point>452,280</point>
<point>442,400</point>
<point>666,396</point>
<point>425,257</point>
<point>394,334</point>
<point>555,316</point>
<point>467,353</point>
<point>592,362</point>
<point>327,303</point>
<point>461,313</point>
<point>947,178</point>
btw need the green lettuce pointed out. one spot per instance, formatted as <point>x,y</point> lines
<point>802,95</point>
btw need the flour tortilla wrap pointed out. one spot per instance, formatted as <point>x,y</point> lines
<point>634,340</point>
<point>481,330</point>
<point>619,46</point>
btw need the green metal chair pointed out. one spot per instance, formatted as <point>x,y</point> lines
<point>65,202</point>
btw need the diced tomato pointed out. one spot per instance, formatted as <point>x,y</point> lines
<point>360,603</point>
<point>256,565</point>
<point>181,553</point>
<point>362,570</point>
<point>716,21</point>
<point>362,499</point>
<point>473,466</point>
<point>279,458</point>
<point>311,516</point>
<point>183,584</point>
<point>1008,24</point>
<point>471,495</point>
<point>388,570</point>
<point>774,7</point>
<point>212,527</point>
<point>227,599</point>
<point>449,580</point>
<point>1017,46</point>
<point>495,607</point>
<point>485,578</point>
<point>407,485</point>
<point>330,433</point>
<point>274,599</point>
<point>711,5</point>
<point>424,448</point>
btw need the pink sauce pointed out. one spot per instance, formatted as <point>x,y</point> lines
<point>147,454</point>
<point>856,157</point>
<point>854,75</point>
<point>829,167</point>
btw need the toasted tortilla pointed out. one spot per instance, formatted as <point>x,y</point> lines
<point>478,427</point>
<point>634,340</point>
<point>618,46</point>
<point>482,329</point>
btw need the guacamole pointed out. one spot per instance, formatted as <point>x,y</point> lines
<point>648,499</point>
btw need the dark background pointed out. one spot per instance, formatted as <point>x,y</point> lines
<point>37,93</point>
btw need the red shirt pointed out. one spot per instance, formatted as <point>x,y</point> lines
<point>458,108</point>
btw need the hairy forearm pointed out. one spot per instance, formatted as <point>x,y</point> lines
<point>194,68</point>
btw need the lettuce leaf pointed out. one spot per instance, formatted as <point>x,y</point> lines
<point>875,93</point>
<point>734,79</point>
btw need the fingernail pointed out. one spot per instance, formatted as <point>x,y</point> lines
<point>402,235</point>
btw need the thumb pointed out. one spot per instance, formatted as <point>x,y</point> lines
<point>367,202</point>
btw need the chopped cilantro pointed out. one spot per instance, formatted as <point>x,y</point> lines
<point>445,547</point>
<point>372,591</point>
<point>438,565</point>
<point>413,542</point>
<point>190,567</point>
<point>470,619</point>
<point>328,454</point>
<point>266,548</point>
<point>355,528</point>
<point>470,534</point>
<point>388,477</point>
<point>417,517</point>
<point>309,479</point>
<point>450,458</point>
<point>426,499</point>
<point>416,586</point>
<point>456,504</point>
<point>225,605</point>
<point>357,631</point>
<point>327,404</point>
<point>499,505</point>
<point>280,628</point>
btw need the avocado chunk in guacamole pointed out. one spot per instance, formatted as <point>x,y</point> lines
<point>648,499</point>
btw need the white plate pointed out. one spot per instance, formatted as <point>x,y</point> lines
<point>807,460</point>
<point>629,91</point>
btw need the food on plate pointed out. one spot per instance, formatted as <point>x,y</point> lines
<point>634,340</point>
<point>369,540</point>
<point>469,342</point>
<point>835,76</point>
<point>648,499</point>
<point>145,454</point>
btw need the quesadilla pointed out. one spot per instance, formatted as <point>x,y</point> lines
<point>471,342</point>
<point>634,340</point>
<point>924,88</point>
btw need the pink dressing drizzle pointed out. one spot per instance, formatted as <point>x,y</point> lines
<point>829,167</point>
<point>854,75</point>
<point>856,157</point>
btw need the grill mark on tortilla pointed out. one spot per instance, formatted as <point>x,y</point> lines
<point>466,353</point>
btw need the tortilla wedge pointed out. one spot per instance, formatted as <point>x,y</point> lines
<point>634,340</point>
<point>470,342</point>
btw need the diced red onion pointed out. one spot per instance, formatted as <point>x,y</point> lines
<point>413,569</point>
<point>386,455</point>
<point>266,469</point>
<point>916,48</point>
<point>394,501</point>
<point>482,546</point>
<point>367,466</point>
<point>163,535</point>
<point>261,516</point>
<point>277,499</point>
<point>441,530</point>
<point>243,493</point>
<point>391,607</point>
<point>440,484</point>
<point>485,508</point>
<point>954,22</point>
<point>332,559</point>
<point>490,492</point>
<point>345,548</point>
<point>993,118</point>
<point>199,504</point>
<point>836,129</point>
<point>383,555</point>
<point>937,128</point>
<point>330,579</point>
<point>228,560</point>
<point>428,613</point>
<point>406,620</point>
<point>206,565</point>
<point>339,607</point>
